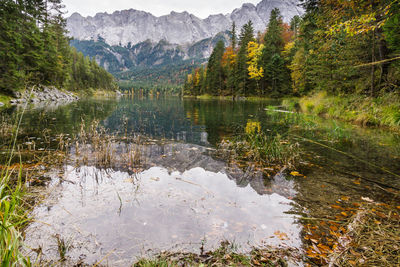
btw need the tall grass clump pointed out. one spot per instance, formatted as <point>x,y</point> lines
<point>12,209</point>
<point>12,219</point>
<point>261,148</point>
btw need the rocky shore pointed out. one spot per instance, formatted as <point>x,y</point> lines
<point>43,94</point>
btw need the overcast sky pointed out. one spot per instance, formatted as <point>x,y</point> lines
<point>201,8</point>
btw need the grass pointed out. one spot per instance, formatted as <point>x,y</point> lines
<point>358,233</point>
<point>225,255</point>
<point>5,100</point>
<point>380,111</point>
<point>261,149</point>
<point>13,216</point>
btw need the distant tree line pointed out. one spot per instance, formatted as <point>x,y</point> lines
<point>339,47</point>
<point>34,49</point>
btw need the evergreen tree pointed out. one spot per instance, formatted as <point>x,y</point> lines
<point>215,75</point>
<point>243,83</point>
<point>276,74</point>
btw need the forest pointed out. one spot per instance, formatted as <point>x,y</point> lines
<point>35,50</point>
<point>338,47</point>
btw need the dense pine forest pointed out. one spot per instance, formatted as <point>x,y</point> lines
<point>338,47</point>
<point>35,50</point>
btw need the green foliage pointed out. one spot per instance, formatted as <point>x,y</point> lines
<point>254,68</point>
<point>215,76</point>
<point>276,73</point>
<point>381,111</point>
<point>35,49</point>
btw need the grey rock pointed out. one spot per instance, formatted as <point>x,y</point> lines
<point>1,104</point>
<point>134,26</point>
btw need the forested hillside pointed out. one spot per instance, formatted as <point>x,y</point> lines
<point>34,50</point>
<point>339,47</point>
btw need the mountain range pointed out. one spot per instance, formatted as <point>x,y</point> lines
<point>134,26</point>
<point>129,39</point>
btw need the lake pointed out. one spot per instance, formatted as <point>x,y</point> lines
<point>171,191</point>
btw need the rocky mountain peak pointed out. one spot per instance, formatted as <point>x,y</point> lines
<point>181,28</point>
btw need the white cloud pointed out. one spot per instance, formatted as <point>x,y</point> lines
<point>201,8</point>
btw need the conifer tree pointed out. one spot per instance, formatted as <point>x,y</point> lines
<point>215,75</point>
<point>242,77</point>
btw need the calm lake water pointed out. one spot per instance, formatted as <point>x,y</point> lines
<point>183,197</point>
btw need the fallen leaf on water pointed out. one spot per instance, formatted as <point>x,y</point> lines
<point>281,235</point>
<point>345,198</point>
<point>357,182</point>
<point>333,228</point>
<point>296,174</point>
<point>344,213</point>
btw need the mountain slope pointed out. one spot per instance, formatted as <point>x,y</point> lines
<point>130,27</point>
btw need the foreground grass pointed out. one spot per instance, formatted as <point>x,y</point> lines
<point>5,100</point>
<point>379,111</point>
<point>12,219</point>
<point>225,256</point>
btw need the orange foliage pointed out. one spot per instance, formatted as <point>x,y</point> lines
<point>229,57</point>
<point>287,34</point>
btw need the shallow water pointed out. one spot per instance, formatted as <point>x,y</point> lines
<point>182,197</point>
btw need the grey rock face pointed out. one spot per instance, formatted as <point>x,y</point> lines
<point>133,26</point>
<point>44,95</point>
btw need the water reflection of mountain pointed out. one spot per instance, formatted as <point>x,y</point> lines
<point>181,157</point>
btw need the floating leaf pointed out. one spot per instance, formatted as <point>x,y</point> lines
<point>296,174</point>
<point>281,235</point>
<point>345,198</point>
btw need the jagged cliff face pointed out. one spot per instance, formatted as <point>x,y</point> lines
<point>130,27</point>
<point>146,54</point>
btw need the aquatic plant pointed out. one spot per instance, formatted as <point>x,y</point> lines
<point>263,149</point>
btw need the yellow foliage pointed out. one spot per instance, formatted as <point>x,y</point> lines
<point>197,79</point>
<point>190,78</point>
<point>253,127</point>
<point>254,52</point>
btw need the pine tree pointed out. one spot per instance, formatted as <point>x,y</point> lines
<point>276,75</point>
<point>243,83</point>
<point>215,74</point>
